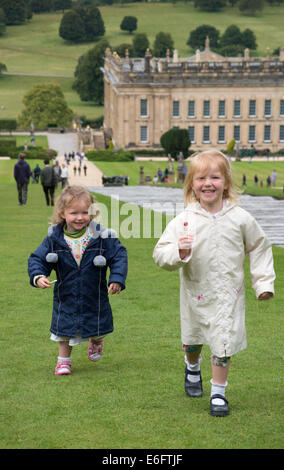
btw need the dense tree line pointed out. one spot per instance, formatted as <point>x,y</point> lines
<point>231,42</point>
<point>247,6</point>
<point>19,11</point>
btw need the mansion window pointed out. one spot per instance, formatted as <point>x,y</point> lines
<point>191,109</point>
<point>267,133</point>
<point>237,133</point>
<point>191,134</point>
<point>252,108</point>
<point>281,133</point>
<point>222,109</point>
<point>237,108</point>
<point>206,109</point>
<point>143,108</point>
<point>267,108</point>
<point>206,134</point>
<point>251,134</point>
<point>221,134</point>
<point>143,134</point>
<point>175,108</point>
<point>281,107</point>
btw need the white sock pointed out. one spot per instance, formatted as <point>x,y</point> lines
<point>63,359</point>
<point>193,368</point>
<point>218,389</point>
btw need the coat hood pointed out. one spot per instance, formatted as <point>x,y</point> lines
<point>196,208</point>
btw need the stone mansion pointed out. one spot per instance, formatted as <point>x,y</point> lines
<point>216,98</point>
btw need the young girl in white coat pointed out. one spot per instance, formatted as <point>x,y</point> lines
<point>208,241</point>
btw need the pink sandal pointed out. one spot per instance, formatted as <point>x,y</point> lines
<point>95,350</point>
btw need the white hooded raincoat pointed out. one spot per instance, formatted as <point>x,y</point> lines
<point>212,285</point>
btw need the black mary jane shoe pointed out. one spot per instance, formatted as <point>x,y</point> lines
<point>219,410</point>
<point>193,389</point>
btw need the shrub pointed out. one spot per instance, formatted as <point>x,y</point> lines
<point>110,156</point>
<point>8,124</point>
<point>7,147</point>
<point>12,151</point>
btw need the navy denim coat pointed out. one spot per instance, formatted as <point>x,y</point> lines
<point>81,303</point>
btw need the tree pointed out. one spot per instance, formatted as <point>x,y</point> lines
<point>89,83</point>
<point>175,141</point>
<point>94,25</point>
<point>249,39</point>
<point>2,22</point>
<point>72,27</point>
<point>122,48</point>
<point>39,6</point>
<point>250,6</point>
<point>198,36</point>
<point>62,5</point>
<point>140,44</point>
<point>231,36</point>
<point>210,5</point>
<point>45,104</point>
<point>233,41</point>
<point>15,11</point>
<point>163,42</point>
<point>129,23</point>
<point>3,68</point>
<point>82,24</point>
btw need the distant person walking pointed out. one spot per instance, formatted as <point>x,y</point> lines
<point>57,171</point>
<point>48,181</point>
<point>36,173</point>
<point>273,177</point>
<point>22,174</point>
<point>64,175</point>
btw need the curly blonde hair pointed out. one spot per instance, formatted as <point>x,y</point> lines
<point>200,164</point>
<point>66,197</point>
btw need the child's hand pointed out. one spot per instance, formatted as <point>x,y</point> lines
<point>43,282</point>
<point>114,288</point>
<point>185,245</point>
<point>265,296</point>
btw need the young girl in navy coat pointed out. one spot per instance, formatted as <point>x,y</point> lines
<point>80,251</point>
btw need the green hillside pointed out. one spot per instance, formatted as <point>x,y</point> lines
<point>36,47</point>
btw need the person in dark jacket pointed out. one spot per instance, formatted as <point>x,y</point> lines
<point>80,251</point>
<point>22,174</point>
<point>48,181</point>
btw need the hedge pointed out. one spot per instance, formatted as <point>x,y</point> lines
<point>8,148</point>
<point>110,156</point>
<point>8,124</point>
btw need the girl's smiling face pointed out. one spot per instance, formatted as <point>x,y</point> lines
<point>76,215</point>
<point>209,187</point>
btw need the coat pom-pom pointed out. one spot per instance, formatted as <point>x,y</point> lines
<point>108,233</point>
<point>52,257</point>
<point>99,261</point>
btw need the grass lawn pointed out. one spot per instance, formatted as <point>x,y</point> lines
<point>36,47</point>
<point>133,398</point>
<point>262,169</point>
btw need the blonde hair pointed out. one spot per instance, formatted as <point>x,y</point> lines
<point>66,197</point>
<point>200,164</point>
